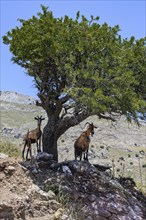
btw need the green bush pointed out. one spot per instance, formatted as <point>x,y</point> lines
<point>102,147</point>
<point>9,149</point>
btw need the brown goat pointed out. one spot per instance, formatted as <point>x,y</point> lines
<point>82,143</point>
<point>32,137</point>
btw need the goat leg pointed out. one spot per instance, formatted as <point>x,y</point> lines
<point>30,150</point>
<point>86,155</point>
<point>27,153</point>
<point>39,148</point>
<point>80,155</point>
<point>28,147</point>
<point>75,153</point>
<point>23,150</point>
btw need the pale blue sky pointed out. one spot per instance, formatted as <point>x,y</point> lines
<point>129,15</point>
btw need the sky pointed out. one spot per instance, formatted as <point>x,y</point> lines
<point>129,15</point>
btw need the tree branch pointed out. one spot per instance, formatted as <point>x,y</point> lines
<point>107,117</point>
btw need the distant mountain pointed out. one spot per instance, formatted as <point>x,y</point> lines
<point>14,97</point>
<point>17,115</point>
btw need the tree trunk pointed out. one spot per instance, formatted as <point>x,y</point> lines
<point>49,138</point>
<point>50,145</point>
<point>54,128</point>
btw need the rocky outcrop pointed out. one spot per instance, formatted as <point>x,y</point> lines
<point>96,195</point>
<point>69,190</point>
<point>20,197</point>
<point>14,97</point>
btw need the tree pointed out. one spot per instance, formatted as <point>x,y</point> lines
<point>80,68</point>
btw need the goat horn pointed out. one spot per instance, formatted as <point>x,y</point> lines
<point>86,123</point>
<point>41,117</point>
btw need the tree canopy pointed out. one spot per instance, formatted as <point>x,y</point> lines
<point>83,61</point>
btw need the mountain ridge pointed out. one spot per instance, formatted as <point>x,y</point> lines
<point>15,97</point>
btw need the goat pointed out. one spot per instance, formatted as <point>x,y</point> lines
<point>82,143</point>
<point>32,137</point>
<point>28,141</point>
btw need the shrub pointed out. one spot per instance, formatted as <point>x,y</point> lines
<point>121,158</point>
<point>102,147</point>
<point>9,149</point>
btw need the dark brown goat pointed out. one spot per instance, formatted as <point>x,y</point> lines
<point>32,137</point>
<point>82,143</point>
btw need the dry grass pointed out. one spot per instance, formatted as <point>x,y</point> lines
<point>10,149</point>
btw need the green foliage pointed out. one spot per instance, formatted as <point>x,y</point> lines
<point>89,62</point>
<point>9,149</point>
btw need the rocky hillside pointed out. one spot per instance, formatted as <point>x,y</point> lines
<point>17,115</point>
<point>69,190</point>
<point>107,188</point>
<point>14,97</point>
<point>120,144</point>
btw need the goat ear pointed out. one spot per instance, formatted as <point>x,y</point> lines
<point>43,118</point>
<point>35,118</point>
<point>95,126</point>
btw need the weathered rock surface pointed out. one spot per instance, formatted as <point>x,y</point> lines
<point>14,97</point>
<point>70,190</point>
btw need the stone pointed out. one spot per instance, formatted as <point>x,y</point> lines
<point>3,156</point>
<point>92,198</point>
<point>43,156</point>
<point>6,211</point>
<point>54,204</point>
<point>104,213</point>
<point>2,175</point>
<point>66,170</point>
<point>10,170</point>
<point>58,214</point>
<point>36,192</point>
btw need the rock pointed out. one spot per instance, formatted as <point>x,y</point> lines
<point>2,176</point>
<point>10,170</point>
<point>54,204</point>
<point>104,213</point>
<point>6,211</point>
<point>3,156</point>
<point>15,97</point>
<point>64,217</point>
<point>92,198</point>
<point>43,156</point>
<point>58,214</point>
<point>87,192</point>
<point>66,170</point>
<point>102,168</point>
<point>36,193</point>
